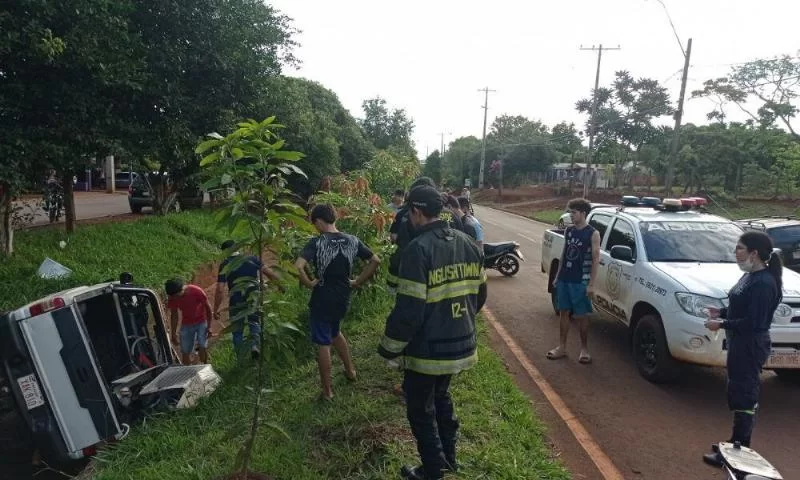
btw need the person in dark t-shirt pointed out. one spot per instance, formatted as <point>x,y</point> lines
<point>239,273</point>
<point>574,281</point>
<point>332,254</point>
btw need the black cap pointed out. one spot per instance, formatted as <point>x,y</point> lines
<point>427,199</point>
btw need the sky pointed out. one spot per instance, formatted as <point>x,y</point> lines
<point>431,57</point>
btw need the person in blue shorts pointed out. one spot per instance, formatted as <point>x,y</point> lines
<point>332,254</point>
<point>574,282</point>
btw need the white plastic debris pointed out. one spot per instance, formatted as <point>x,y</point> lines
<point>51,269</point>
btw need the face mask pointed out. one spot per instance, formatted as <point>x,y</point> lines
<point>746,266</point>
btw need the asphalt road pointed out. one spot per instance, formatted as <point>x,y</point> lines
<point>89,205</point>
<point>649,431</point>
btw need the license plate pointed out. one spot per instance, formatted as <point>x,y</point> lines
<point>796,254</point>
<point>31,391</point>
<point>784,360</point>
<point>145,194</point>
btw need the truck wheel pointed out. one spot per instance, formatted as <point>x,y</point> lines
<point>790,375</point>
<point>136,209</point>
<point>15,436</point>
<point>651,352</point>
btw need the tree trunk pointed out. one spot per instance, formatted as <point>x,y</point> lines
<point>738,185</point>
<point>69,201</point>
<point>6,227</point>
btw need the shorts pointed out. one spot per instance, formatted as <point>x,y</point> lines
<point>324,328</point>
<point>190,333</point>
<point>573,297</point>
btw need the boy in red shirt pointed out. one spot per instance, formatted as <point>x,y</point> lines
<point>196,317</point>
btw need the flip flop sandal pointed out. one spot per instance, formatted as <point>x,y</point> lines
<point>556,353</point>
<point>585,358</point>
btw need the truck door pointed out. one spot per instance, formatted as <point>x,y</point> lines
<point>601,222</point>
<point>615,276</point>
<point>67,380</point>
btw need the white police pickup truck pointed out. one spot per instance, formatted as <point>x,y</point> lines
<point>660,267</point>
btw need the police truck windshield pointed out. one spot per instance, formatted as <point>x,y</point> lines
<point>701,242</point>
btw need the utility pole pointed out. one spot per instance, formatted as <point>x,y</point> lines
<point>486,91</point>
<point>673,151</point>
<point>594,112</point>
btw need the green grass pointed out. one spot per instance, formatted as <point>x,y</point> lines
<point>152,249</point>
<point>362,434</point>
<point>547,216</point>
<point>752,210</point>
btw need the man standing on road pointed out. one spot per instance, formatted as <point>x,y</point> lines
<point>574,282</point>
<point>239,273</point>
<point>195,316</point>
<point>472,226</point>
<point>431,333</point>
<point>332,254</point>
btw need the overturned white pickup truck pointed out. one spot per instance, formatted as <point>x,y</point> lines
<point>660,266</point>
<point>77,368</point>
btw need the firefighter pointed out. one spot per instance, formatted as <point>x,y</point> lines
<point>430,333</point>
<point>747,320</point>
<point>402,232</point>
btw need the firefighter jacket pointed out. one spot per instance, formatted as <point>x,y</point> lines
<point>441,287</point>
<point>401,226</point>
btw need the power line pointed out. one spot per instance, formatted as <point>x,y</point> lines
<point>486,91</point>
<point>594,104</point>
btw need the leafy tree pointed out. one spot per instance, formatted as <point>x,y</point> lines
<point>390,170</point>
<point>206,62</point>
<point>523,146</point>
<point>433,167</point>
<point>774,83</point>
<point>63,66</point>
<point>385,129</point>
<point>252,162</point>
<point>462,160</point>
<point>625,113</point>
<point>317,124</point>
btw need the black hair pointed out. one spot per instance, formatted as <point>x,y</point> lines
<point>762,244</point>
<point>580,204</point>
<point>399,193</point>
<point>324,212</point>
<point>227,245</point>
<point>451,202</point>
<point>464,203</point>
<point>423,181</point>
<point>173,286</point>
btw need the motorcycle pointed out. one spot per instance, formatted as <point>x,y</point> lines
<point>742,463</point>
<point>53,203</point>
<point>503,257</point>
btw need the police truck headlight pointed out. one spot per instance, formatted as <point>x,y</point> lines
<point>695,304</point>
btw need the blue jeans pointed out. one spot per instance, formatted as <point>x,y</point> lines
<point>238,331</point>
<point>189,333</point>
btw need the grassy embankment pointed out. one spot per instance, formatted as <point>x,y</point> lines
<point>362,434</point>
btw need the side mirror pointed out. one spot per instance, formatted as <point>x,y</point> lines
<point>622,253</point>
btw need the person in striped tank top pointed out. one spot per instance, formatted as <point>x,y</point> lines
<point>575,279</point>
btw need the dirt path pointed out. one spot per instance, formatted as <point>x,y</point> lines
<point>648,431</point>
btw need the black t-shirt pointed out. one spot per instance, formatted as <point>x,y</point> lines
<point>332,256</point>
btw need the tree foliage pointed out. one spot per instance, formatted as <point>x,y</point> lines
<point>385,128</point>
<point>774,84</point>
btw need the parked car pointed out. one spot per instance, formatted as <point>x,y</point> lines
<point>660,267</point>
<point>785,234</point>
<point>565,220</point>
<point>78,368</point>
<point>140,194</point>
<point>124,179</point>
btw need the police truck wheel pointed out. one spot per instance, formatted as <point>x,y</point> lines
<point>508,265</point>
<point>651,352</point>
<point>790,375</point>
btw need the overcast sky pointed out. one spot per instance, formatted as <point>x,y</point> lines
<point>431,57</point>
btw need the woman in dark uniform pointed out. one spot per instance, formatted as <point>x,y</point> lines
<point>753,301</point>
